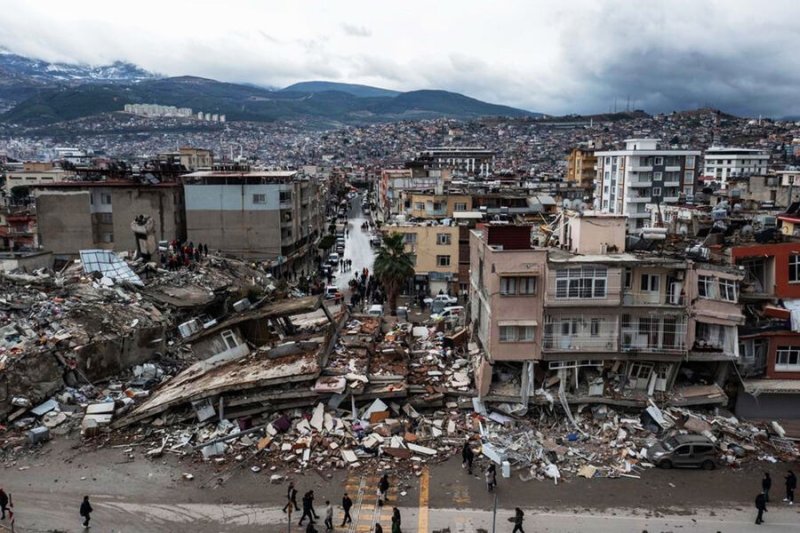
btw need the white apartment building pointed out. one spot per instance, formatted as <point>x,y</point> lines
<point>642,174</point>
<point>719,163</point>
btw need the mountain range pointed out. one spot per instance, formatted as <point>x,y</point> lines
<point>38,93</point>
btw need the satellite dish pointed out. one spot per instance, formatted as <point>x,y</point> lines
<point>565,204</point>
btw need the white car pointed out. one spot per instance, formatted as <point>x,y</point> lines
<point>448,300</point>
<point>449,313</point>
<point>375,310</point>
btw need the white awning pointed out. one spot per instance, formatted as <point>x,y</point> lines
<point>475,215</point>
<point>517,323</point>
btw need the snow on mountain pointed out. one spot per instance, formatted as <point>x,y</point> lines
<point>35,70</point>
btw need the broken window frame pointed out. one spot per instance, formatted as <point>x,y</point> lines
<point>728,290</point>
<point>229,336</point>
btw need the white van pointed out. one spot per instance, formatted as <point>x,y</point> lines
<point>333,259</point>
<point>449,313</point>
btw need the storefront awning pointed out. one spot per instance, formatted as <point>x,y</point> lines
<point>520,322</point>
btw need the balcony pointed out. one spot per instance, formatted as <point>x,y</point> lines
<point>640,184</point>
<point>641,168</point>
<point>649,299</point>
<point>672,183</point>
<point>639,199</point>
<point>671,199</point>
<point>436,212</point>
<point>672,168</point>
<point>639,214</point>
<point>580,343</point>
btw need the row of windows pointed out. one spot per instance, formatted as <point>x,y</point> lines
<point>581,283</point>
<point>788,359</point>
<point>522,286</point>
<point>458,206</point>
<point>725,289</point>
<point>517,333</point>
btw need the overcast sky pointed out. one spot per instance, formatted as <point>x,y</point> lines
<point>554,56</point>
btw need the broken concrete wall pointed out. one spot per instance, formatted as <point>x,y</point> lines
<point>483,377</point>
<point>35,377</point>
<point>216,345</point>
<point>105,358</point>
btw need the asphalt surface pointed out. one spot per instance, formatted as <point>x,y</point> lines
<point>356,248</point>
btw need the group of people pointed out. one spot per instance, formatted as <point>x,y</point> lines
<point>182,254</point>
<point>345,265</point>
<point>763,497</point>
<point>347,504</point>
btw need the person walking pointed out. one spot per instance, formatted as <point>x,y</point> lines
<point>395,520</point>
<point>291,497</point>
<point>467,456</point>
<point>491,477</point>
<point>488,476</point>
<point>383,489</point>
<point>308,498</point>
<point>378,528</point>
<point>761,505</point>
<point>766,484</point>
<point>310,528</point>
<point>4,504</point>
<point>791,484</point>
<point>86,511</point>
<point>328,516</point>
<point>347,503</point>
<point>518,518</point>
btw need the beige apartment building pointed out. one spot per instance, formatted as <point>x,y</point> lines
<point>437,206</point>
<point>33,173</point>
<point>434,249</point>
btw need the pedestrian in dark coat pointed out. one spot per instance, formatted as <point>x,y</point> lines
<point>791,484</point>
<point>291,497</point>
<point>308,499</point>
<point>378,528</point>
<point>383,489</point>
<point>347,503</point>
<point>310,528</point>
<point>766,484</point>
<point>86,511</point>
<point>3,503</point>
<point>468,456</point>
<point>518,518</point>
<point>396,520</point>
<point>761,505</point>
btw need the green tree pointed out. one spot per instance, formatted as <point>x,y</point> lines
<point>393,266</point>
<point>327,242</point>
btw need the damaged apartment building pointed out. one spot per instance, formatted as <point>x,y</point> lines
<point>587,322</point>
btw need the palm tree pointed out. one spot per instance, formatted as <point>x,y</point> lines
<point>393,266</point>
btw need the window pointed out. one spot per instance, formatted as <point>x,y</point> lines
<point>703,448</point>
<point>794,268</point>
<point>569,326</point>
<point>106,218</point>
<point>443,238</point>
<point>442,260</point>
<point>650,283</point>
<point>595,327</point>
<point>688,191</point>
<point>628,277</point>
<point>527,285</point>
<point>508,286</point>
<point>419,206</point>
<point>460,206</point>
<point>727,290</point>
<point>508,333</point>
<point>689,162</point>
<point>581,283</point>
<point>688,177</point>
<point>410,238</point>
<point>517,334</point>
<point>285,197</point>
<point>659,161</point>
<point>259,198</point>
<point>787,359</point>
<point>641,370</point>
<point>658,176</point>
<point>229,339</point>
<point>108,237</point>
<point>705,286</point>
<point>656,191</point>
<point>105,199</point>
<point>684,450</point>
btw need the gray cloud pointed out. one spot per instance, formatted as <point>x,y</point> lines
<point>356,31</point>
<point>576,56</point>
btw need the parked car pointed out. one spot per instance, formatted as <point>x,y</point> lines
<point>449,313</point>
<point>684,451</point>
<point>375,310</point>
<point>449,300</point>
<point>331,292</point>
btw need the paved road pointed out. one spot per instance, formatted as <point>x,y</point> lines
<point>357,247</point>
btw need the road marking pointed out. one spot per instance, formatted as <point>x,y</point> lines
<point>422,520</point>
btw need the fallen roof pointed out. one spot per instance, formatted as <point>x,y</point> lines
<point>772,386</point>
<point>204,379</point>
<point>296,306</point>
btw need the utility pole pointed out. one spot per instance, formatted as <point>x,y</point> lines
<point>791,186</point>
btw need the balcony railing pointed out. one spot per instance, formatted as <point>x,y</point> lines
<point>578,343</point>
<point>640,199</point>
<point>639,184</point>
<point>635,298</point>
